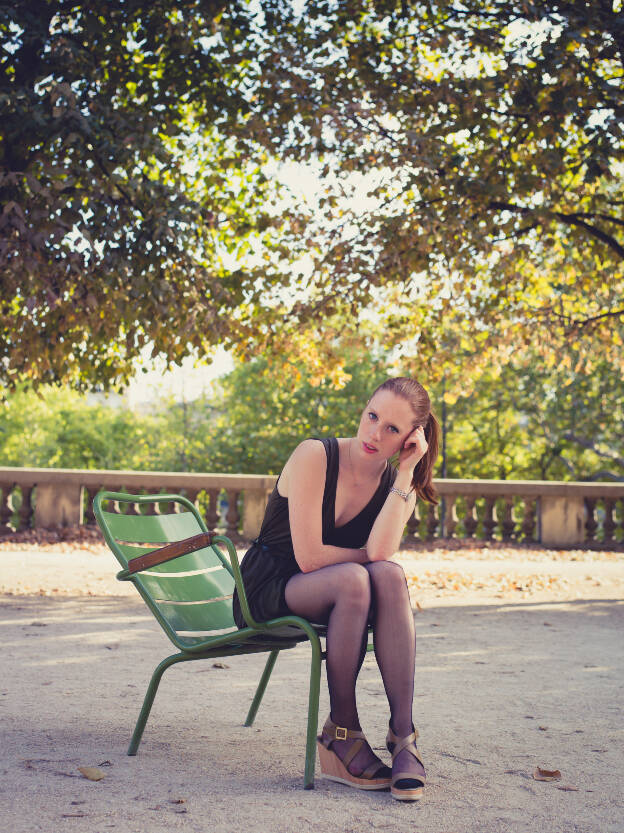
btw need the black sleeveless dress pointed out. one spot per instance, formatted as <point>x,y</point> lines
<point>270,562</point>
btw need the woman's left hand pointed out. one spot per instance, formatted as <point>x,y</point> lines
<point>414,449</point>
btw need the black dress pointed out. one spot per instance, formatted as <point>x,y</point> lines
<point>270,562</point>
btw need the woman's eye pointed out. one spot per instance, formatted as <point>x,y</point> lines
<point>371,415</point>
<point>394,430</point>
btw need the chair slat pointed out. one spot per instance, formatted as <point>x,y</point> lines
<point>157,529</point>
<point>201,617</point>
<point>196,587</point>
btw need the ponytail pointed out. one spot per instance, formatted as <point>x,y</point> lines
<point>422,481</point>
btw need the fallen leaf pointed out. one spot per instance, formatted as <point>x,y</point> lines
<point>546,774</point>
<point>72,815</point>
<point>91,773</point>
<point>568,788</point>
<point>220,665</point>
<point>105,763</point>
<point>177,800</point>
<point>543,728</point>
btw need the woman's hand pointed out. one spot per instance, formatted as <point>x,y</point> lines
<point>414,449</point>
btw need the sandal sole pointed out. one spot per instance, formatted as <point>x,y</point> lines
<point>333,769</point>
<point>407,795</point>
<point>358,785</point>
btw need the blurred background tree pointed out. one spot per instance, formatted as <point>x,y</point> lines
<point>522,422</point>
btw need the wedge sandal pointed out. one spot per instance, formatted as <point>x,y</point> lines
<point>405,785</point>
<point>376,776</point>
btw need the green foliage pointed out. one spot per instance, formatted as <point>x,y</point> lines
<point>60,429</point>
<point>520,420</point>
<point>489,139</point>
<point>135,207</point>
<point>125,208</point>
<point>265,411</point>
<point>527,421</point>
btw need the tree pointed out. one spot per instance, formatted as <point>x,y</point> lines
<point>125,207</point>
<point>533,421</point>
<point>489,138</point>
<point>266,409</point>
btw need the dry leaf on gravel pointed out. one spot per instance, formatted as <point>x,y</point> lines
<point>177,800</point>
<point>220,665</point>
<point>546,774</point>
<point>568,788</point>
<point>91,773</point>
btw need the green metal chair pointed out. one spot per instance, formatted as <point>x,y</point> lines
<point>186,581</point>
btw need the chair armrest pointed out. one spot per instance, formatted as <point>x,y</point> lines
<point>168,553</point>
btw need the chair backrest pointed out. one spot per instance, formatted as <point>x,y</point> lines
<point>191,596</point>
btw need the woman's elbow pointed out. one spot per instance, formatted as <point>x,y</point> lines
<point>306,562</point>
<point>378,553</point>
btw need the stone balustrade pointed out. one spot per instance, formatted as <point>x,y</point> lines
<point>555,514</point>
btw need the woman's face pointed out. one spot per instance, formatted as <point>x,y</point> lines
<point>385,424</point>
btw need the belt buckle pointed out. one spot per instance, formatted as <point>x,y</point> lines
<point>341,733</point>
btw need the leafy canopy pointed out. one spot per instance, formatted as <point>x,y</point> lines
<point>136,206</point>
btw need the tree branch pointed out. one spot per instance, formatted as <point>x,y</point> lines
<point>570,219</point>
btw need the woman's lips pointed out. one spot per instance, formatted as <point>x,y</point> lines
<point>369,449</point>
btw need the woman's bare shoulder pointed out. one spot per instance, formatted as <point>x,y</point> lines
<point>308,459</point>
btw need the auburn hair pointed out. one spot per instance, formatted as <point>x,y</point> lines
<point>418,398</point>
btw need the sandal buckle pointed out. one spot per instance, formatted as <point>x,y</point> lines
<point>341,733</point>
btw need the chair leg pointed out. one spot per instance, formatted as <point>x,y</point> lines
<point>264,679</point>
<point>149,698</point>
<point>313,708</point>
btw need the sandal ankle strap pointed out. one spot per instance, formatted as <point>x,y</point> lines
<point>397,744</point>
<point>332,732</point>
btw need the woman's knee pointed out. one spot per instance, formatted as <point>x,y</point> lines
<point>386,575</point>
<point>354,585</point>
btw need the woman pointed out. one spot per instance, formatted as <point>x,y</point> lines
<point>333,521</point>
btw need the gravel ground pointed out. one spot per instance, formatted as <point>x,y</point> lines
<point>519,665</point>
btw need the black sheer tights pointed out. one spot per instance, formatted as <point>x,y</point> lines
<point>345,597</point>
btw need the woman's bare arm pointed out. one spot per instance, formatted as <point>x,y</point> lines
<point>303,483</point>
<point>385,537</point>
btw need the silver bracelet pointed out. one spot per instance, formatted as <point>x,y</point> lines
<point>404,495</point>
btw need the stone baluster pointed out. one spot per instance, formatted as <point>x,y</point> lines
<point>413,524</point>
<point>450,516</point>
<point>26,509</point>
<point>232,518</point>
<point>508,523</point>
<point>131,507</point>
<point>191,495</point>
<point>89,494</point>
<point>489,521</point>
<point>609,524</point>
<point>6,508</point>
<point>470,520</point>
<point>528,522</point>
<point>212,512</point>
<point>432,521</point>
<point>591,524</point>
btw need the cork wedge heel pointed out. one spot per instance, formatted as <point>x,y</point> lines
<point>377,776</point>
